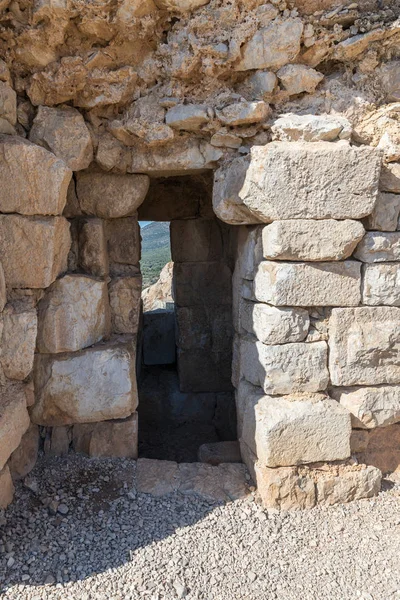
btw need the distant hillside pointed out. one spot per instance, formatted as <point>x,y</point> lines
<point>156,251</point>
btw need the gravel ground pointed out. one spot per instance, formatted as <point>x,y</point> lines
<point>80,531</point>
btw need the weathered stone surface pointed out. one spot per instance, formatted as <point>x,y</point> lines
<point>189,117</point>
<point>196,240</point>
<point>58,442</point>
<point>73,314</point>
<point>246,397</point>
<point>159,295</point>
<point>377,246</point>
<point>284,488</point>
<point>14,419</point>
<point>390,178</point>
<point>18,341</point>
<point>300,239</point>
<point>287,180</point>
<point>3,291</point>
<point>308,284</point>
<point>63,131</point>
<point>23,459</point>
<point>6,488</point>
<point>110,196</point>
<point>27,189</point>
<point>224,139</point>
<point>262,82</point>
<point>299,78</point>
<point>249,251</point>
<point>96,384</point>
<point>202,283</point>
<point>381,448</point>
<point>243,113</point>
<point>212,483</point>
<point>273,46</point>
<point>347,484</point>
<point>180,5</point>
<point>195,362</point>
<point>92,243</point>
<point>159,337</point>
<point>116,438</point>
<point>385,214</point>
<point>298,429</point>
<point>8,103</point>
<point>125,295</point>
<point>364,346</point>
<point>310,128</point>
<point>273,325</point>
<point>381,285</point>
<point>123,244</point>
<point>371,407</point>
<point>286,368</point>
<point>216,453</point>
<point>34,250</point>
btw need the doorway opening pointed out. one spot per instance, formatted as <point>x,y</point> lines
<point>185,339</point>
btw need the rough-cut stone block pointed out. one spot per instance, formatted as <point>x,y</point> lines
<point>111,196</point>
<point>246,397</point>
<point>364,346</point>
<point>170,198</point>
<point>125,294</point>
<point>196,240</point>
<point>297,429</point>
<point>208,327</point>
<point>202,283</point>
<point>390,178</point>
<point>348,484</point>
<point>64,132</point>
<point>381,285</point>
<point>296,180</point>
<point>92,242</point>
<point>311,240</point>
<point>286,368</point>
<point>273,46</point>
<point>33,250</point>
<point>215,453</point>
<point>189,117</point>
<point>14,419</point>
<point>377,246</point>
<point>18,341</point>
<point>382,448</point>
<point>385,214</point>
<point>6,488</point>
<point>58,441</point>
<point>308,284</point>
<point>202,370</point>
<point>159,337</point>
<point>249,251</point>
<point>371,407</point>
<point>118,438</point>
<point>96,384</point>
<point>272,325</point>
<point>73,314</point>
<point>299,78</point>
<point>285,488</point>
<point>123,243</point>
<point>8,103</point>
<point>34,181</point>
<point>243,113</point>
<point>23,459</point>
<point>280,181</point>
<point>310,128</point>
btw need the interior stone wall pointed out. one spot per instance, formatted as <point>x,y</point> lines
<point>294,104</point>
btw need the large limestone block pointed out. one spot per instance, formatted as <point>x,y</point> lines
<point>272,325</point>
<point>125,295</point>
<point>33,250</point>
<point>109,195</point>
<point>308,284</point>
<point>385,215</point>
<point>73,314</point>
<point>378,246</point>
<point>14,419</point>
<point>6,488</point>
<point>197,240</point>
<point>364,345</point>
<point>208,327</point>
<point>202,283</point>
<point>34,181</point>
<point>296,180</point>
<point>284,488</point>
<point>123,243</point>
<point>18,341</point>
<point>381,284</point>
<point>96,384</point>
<point>286,368</point>
<point>23,459</point>
<point>92,243</point>
<point>249,251</point>
<point>310,128</point>
<point>63,131</point>
<point>371,407</point>
<point>118,438</point>
<point>297,429</point>
<point>273,46</point>
<point>311,240</point>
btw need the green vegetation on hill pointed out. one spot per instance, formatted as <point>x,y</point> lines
<point>156,251</point>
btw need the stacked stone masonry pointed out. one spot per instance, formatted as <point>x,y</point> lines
<point>287,112</point>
